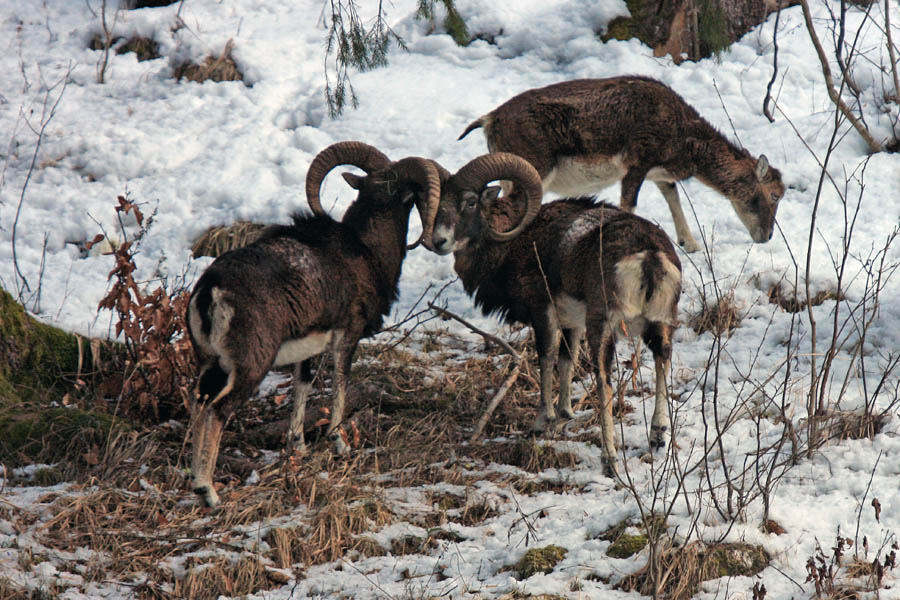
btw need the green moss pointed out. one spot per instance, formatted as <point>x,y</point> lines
<point>34,357</point>
<point>456,27</point>
<point>46,477</point>
<point>620,28</point>
<point>732,560</point>
<point>540,560</point>
<point>53,434</point>
<point>712,29</point>
<point>626,545</point>
<point>625,28</point>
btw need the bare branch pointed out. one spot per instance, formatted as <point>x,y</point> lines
<point>829,82</point>
<point>487,336</point>
<point>47,115</point>
<point>766,110</point>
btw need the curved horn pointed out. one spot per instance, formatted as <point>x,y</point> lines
<point>366,157</point>
<point>503,165</point>
<point>427,173</point>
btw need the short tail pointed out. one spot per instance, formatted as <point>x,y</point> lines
<point>479,122</point>
<point>662,285</point>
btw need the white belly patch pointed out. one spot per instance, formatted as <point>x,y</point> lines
<point>294,351</point>
<point>571,312</point>
<point>582,176</point>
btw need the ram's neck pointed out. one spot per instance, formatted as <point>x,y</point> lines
<point>384,234</point>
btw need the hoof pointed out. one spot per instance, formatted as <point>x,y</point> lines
<point>208,495</point>
<point>542,423</point>
<point>610,469</point>
<point>566,413</point>
<point>295,444</point>
<point>340,446</point>
<point>658,437</point>
<point>689,246</point>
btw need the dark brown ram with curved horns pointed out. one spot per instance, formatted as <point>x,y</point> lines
<point>568,266</point>
<point>586,134</point>
<point>299,290</point>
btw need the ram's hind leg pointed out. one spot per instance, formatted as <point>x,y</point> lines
<point>568,358</point>
<point>546,341</point>
<point>344,346</point>
<point>658,337</point>
<point>602,342</point>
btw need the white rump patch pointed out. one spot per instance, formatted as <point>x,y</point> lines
<point>632,296</point>
<point>629,277</point>
<point>220,315</point>
<point>294,351</point>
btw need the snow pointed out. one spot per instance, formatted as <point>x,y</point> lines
<point>213,153</point>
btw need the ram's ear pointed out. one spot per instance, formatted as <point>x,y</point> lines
<point>762,167</point>
<point>489,196</point>
<point>355,181</point>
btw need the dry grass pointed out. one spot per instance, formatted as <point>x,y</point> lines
<point>223,576</point>
<point>790,302</point>
<point>526,453</point>
<point>679,570</point>
<point>844,425</point>
<point>722,318</point>
<point>214,68</point>
<point>145,48</point>
<point>413,413</point>
<point>218,240</point>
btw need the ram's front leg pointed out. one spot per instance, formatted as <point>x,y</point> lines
<point>302,387</point>
<point>207,425</point>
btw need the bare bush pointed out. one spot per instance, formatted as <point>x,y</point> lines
<point>160,369</point>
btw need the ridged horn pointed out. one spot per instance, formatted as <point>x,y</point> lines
<point>503,165</point>
<point>426,173</point>
<point>359,154</point>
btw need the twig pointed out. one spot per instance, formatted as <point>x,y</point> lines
<point>495,402</point>
<point>725,108</point>
<point>45,120</point>
<point>507,384</point>
<point>891,52</point>
<point>487,336</point>
<point>829,82</point>
<point>766,110</point>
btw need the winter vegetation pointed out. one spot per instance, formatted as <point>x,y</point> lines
<point>141,140</point>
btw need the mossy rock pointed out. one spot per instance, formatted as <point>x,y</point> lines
<point>34,358</point>
<point>620,28</point>
<point>39,363</point>
<point>540,560</point>
<point>53,435</point>
<point>626,545</point>
<point>733,560</point>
